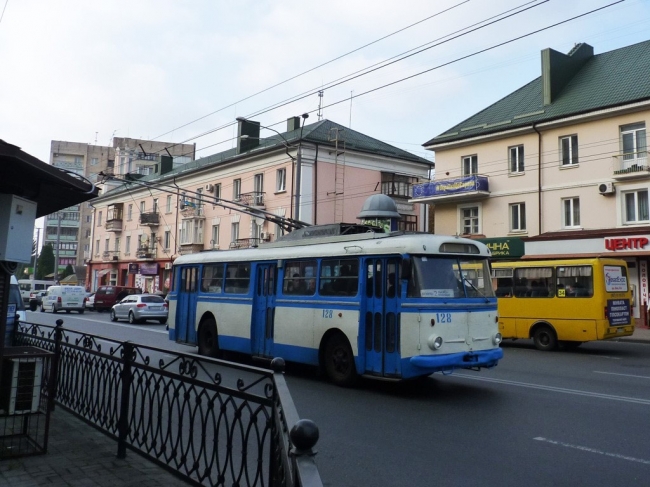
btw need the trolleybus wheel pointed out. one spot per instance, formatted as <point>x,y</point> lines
<point>545,339</point>
<point>339,361</point>
<point>208,339</point>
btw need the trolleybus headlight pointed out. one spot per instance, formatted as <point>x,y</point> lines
<point>497,338</point>
<point>435,342</point>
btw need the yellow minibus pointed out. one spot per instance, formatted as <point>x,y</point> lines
<point>563,302</point>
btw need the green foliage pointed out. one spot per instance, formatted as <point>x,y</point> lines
<point>45,262</point>
<point>67,272</point>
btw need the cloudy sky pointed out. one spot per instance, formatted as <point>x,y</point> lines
<point>182,70</point>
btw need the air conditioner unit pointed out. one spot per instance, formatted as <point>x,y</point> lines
<point>606,188</point>
<point>265,236</point>
<point>168,265</point>
<point>209,188</point>
<point>20,388</point>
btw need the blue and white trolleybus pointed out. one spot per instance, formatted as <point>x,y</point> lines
<point>384,305</point>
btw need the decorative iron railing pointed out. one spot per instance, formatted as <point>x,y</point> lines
<point>209,421</point>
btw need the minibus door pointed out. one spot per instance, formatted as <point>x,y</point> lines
<point>382,317</point>
<point>262,323</point>
<point>186,305</point>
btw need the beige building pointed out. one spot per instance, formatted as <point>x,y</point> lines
<point>315,174</point>
<point>558,168</point>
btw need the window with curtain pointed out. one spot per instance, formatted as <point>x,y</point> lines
<point>636,206</point>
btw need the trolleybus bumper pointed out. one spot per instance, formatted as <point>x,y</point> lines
<point>463,360</point>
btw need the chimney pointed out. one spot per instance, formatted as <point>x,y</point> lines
<point>558,69</point>
<point>293,123</point>
<point>252,131</point>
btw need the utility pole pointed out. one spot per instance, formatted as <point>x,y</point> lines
<point>38,239</point>
<point>59,215</point>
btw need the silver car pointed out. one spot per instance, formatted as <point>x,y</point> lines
<point>138,308</point>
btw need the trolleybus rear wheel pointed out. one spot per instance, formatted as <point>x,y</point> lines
<point>544,338</point>
<point>339,361</point>
<point>209,338</point>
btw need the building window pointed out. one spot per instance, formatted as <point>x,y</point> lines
<point>215,236</point>
<point>470,165</point>
<point>168,207</point>
<point>99,219</point>
<point>127,245</point>
<point>281,180</point>
<point>571,212</point>
<point>88,218</point>
<point>234,232</point>
<point>516,158</point>
<point>397,185</point>
<point>143,206</point>
<point>106,244</point>
<point>117,244</point>
<point>97,247</point>
<point>87,233</point>
<point>129,213</point>
<point>569,150</point>
<point>518,217</point>
<point>192,231</point>
<point>94,161</point>
<point>636,206</point>
<point>258,188</point>
<point>217,192</point>
<point>155,205</point>
<point>199,198</point>
<point>408,223</point>
<point>633,142</point>
<point>168,240</point>
<point>236,189</point>
<point>469,220</point>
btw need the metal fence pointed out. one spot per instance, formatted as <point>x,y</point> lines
<point>209,421</point>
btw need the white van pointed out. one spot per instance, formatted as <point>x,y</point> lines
<point>16,307</point>
<point>28,286</point>
<point>64,298</point>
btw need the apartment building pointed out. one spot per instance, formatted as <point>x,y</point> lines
<point>317,173</point>
<point>558,168</point>
<point>71,229</point>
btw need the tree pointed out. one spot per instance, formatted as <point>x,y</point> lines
<point>45,264</point>
<point>67,272</point>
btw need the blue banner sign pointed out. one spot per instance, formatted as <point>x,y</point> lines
<point>465,184</point>
<point>618,312</point>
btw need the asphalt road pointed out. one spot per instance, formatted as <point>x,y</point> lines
<point>562,418</point>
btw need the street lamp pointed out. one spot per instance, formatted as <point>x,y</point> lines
<point>296,160</point>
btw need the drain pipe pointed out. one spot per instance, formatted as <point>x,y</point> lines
<point>539,180</point>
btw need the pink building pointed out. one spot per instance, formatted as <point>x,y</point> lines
<point>316,174</point>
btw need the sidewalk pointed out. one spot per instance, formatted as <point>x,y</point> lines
<point>80,455</point>
<point>641,334</point>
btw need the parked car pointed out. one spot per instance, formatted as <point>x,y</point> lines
<point>64,298</point>
<point>90,301</point>
<point>138,308</point>
<point>107,296</point>
<point>36,299</point>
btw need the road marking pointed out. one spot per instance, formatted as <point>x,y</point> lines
<point>136,327</point>
<point>611,358</point>
<point>622,375</point>
<point>561,390</point>
<point>593,450</point>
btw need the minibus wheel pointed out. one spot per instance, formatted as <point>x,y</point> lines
<point>544,338</point>
<point>339,361</point>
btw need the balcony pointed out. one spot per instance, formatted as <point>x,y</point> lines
<point>110,255</point>
<point>145,253</point>
<point>245,243</point>
<point>150,219</point>
<point>254,198</point>
<point>191,248</point>
<point>633,165</point>
<point>464,188</point>
<point>114,226</point>
<point>189,211</point>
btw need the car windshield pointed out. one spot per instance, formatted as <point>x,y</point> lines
<point>450,277</point>
<point>152,299</point>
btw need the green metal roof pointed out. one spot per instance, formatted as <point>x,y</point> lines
<point>606,80</point>
<point>318,133</point>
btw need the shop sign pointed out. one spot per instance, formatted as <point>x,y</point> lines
<point>618,312</point>
<point>626,243</point>
<point>134,268</point>
<point>149,268</point>
<point>643,281</point>
<point>504,247</point>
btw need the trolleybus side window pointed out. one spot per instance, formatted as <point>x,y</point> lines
<point>339,277</point>
<point>188,279</point>
<point>212,280</point>
<point>300,277</point>
<point>238,278</point>
<point>575,281</point>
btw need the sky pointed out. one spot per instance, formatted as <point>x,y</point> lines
<point>183,70</point>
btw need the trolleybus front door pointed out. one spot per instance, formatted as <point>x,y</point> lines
<point>263,310</point>
<point>186,305</point>
<point>381,317</point>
